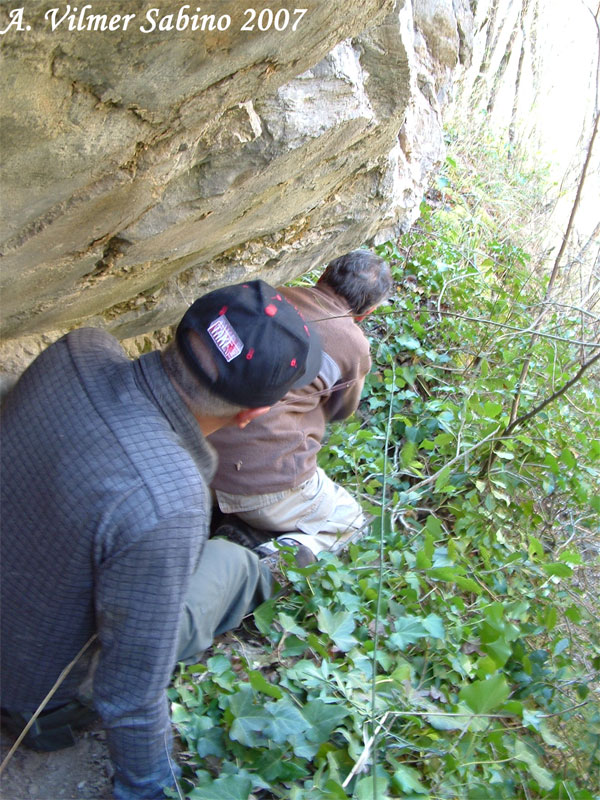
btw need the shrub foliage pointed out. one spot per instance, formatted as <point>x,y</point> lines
<point>454,652</point>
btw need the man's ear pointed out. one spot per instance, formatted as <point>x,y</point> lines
<point>360,317</point>
<point>242,418</point>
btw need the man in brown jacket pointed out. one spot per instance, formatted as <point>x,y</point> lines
<point>268,474</point>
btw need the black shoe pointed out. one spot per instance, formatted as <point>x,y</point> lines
<point>234,529</point>
<point>273,556</point>
<point>52,730</point>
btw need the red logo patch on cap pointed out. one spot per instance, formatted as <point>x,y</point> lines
<point>271,310</point>
<point>226,340</point>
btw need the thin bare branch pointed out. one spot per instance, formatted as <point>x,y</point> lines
<point>574,209</point>
<point>44,703</point>
<point>564,388</point>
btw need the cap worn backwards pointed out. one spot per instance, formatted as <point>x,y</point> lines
<point>261,345</point>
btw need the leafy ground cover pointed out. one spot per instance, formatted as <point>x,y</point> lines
<point>454,652</point>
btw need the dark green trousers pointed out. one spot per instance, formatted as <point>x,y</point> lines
<point>229,583</point>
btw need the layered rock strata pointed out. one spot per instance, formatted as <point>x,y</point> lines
<point>143,167</point>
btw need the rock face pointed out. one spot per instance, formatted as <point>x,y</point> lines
<point>149,163</point>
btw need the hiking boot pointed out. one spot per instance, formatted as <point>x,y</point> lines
<point>272,555</point>
<point>234,529</point>
<point>52,730</point>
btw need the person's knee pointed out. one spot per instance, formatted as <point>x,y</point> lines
<point>228,583</point>
<point>230,563</point>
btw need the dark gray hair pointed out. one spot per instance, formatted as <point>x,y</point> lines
<point>360,277</point>
<point>198,397</point>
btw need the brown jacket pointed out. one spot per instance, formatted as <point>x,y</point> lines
<point>278,451</point>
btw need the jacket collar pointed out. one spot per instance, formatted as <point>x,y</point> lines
<point>154,382</point>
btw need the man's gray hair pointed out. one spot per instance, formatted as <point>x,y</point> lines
<point>199,398</point>
<point>362,278</point>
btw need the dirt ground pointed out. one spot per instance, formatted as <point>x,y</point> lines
<point>81,772</point>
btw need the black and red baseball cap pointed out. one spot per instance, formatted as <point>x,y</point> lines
<point>261,345</point>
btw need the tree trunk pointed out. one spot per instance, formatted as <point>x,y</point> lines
<point>491,40</point>
<point>504,61</point>
<point>523,44</point>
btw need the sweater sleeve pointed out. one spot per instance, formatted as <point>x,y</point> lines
<point>139,599</point>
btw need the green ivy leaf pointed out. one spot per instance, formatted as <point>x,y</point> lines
<point>232,787</point>
<point>408,342</point>
<point>551,617</point>
<point>434,526</point>
<point>536,548</point>
<point>468,584</point>
<point>366,791</point>
<point>571,557</point>
<point>264,616</point>
<point>338,626</point>
<point>499,651</point>
<point>423,560</point>
<point>406,779</point>
<point>290,625</point>
<point>574,613</point>
<point>568,458</point>
<point>285,720</point>
<point>435,626</point>
<point>218,664</point>
<point>248,718</point>
<point>259,683</point>
<point>486,695</point>
<point>179,713</point>
<point>442,479</point>
<point>491,409</point>
<point>557,570</point>
<point>540,774</point>
<point>334,791</point>
<point>444,573</point>
<point>408,630</point>
<point>274,766</point>
<point>323,718</point>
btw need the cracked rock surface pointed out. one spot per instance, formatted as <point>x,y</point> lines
<point>140,169</point>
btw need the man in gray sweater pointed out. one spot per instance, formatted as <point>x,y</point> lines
<point>105,513</point>
<point>268,474</point>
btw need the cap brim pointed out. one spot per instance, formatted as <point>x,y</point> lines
<point>313,361</point>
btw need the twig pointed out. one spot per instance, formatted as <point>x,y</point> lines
<point>452,461</point>
<point>380,575</point>
<point>44,703</point>
<point>574,209</point>
<point>565,710</point>
<point>565,387</point>
<point>571,307</point>
<point>482,320</point>
<point>409,712</point>
<point>366,752</point>
<point>172,768</point>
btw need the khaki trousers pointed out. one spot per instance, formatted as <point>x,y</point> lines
<point>318,513</point>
